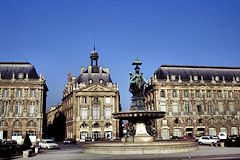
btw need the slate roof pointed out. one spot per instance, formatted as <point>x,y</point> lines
<point>8,68</point>
<point>95,76</point>
<point>206,71</point>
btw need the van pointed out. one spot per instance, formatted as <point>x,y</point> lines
<point>222,136</point>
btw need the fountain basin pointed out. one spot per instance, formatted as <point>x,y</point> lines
<point>138,115</point>
<point>162,147</point>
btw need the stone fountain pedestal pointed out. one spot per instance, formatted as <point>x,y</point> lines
<point>141,134</point>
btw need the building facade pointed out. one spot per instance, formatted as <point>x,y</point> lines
<point>23,102</point>
<point>89,101</point>
<point>198,100</point>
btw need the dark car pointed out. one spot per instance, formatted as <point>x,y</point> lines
<point>175,137</point>
<point>88,139</point>
<point>70,141</point>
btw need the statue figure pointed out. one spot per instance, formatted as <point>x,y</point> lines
<point>137,83</point>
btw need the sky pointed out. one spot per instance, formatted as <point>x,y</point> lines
<point>57,36</point>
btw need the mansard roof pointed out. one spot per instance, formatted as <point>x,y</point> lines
<point>8,68</point>
<point>207,72</point>
<point>95,77</point>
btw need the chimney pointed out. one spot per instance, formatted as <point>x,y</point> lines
<point>106,70</point>
<point>82,69</point>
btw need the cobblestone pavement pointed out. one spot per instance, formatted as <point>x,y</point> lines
<point>74,153</point>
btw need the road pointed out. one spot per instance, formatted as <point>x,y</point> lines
<point>74,152</point>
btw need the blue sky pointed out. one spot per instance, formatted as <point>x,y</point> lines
<point>56,36</point>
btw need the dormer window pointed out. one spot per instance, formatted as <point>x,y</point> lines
<point>195,78</point>
<point>101,81</point>
<point>90,81</point>
<point>217,78</point>
<point>20,75</point>
<point>173,77</point>
<point>237,79</point>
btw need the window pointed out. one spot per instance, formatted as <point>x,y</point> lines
<point>176,121</point>
<point>175,107</point>
<point>200,121</point>
<point>217,78</point>
<point>209,94</point>
<point>20,75</point>
<point>2,123</point>
<point>107,100</point>
<point>237,79</point>
<point>32,108</point>
<point>163,107</point>
<point>84,113</point>
<point>195,78</point>
<point>5,93</point>
<point>18,108</point>
<point>31,123</point>
<point>199,107</point>
<point>19,93</point>
<point>189,122</point>
<point>95,99</point>
<point>186,94</point>
<point>90,81</point>
<point>84,125</point>
<point>219,94</point>
<point>174,94</point>
<point>32,93</point>
<point>4,107</point>
<point>17,123</point>
<point>198,94</point>
<point>173,77</point>
<point>162,94</point>
<point>96,113</point>
<point>231,107</point>
<point>108,125</point>
<point>108,113</point>
<point>187,107</point>
<point>220,107</point>
<point>84,99</point>
<point>230,94</point>
<point>164,122</point>
<point>96,125</point>
<point>101,81</point>
<point>210,108</point>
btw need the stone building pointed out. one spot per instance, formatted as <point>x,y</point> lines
<point>198,100</point>
<point>89,101</point>
<point>55,123</point>
<point>22,102</point>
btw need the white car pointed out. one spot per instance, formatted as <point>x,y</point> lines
<point>207,140</point>
<point>222,136</point>
<point>48,144</point>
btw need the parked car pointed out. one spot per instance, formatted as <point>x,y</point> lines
<point>70,141</point>
<point>197,138</point>
<point>175,137</point>
<point>207,140</point>
<point>158,138</point>
<point>48,144</point>
<point>88,139</point>
<point>222,136</point>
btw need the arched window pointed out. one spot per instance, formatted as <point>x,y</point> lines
<point>108,125</point>
<point>31,123</point>
<point>17,123</point>
<point>176,121</point>
<point>84,125</point>
<point>3,123</point>
<point>96,125</point>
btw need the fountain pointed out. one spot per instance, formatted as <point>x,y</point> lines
<point>138,117</point>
